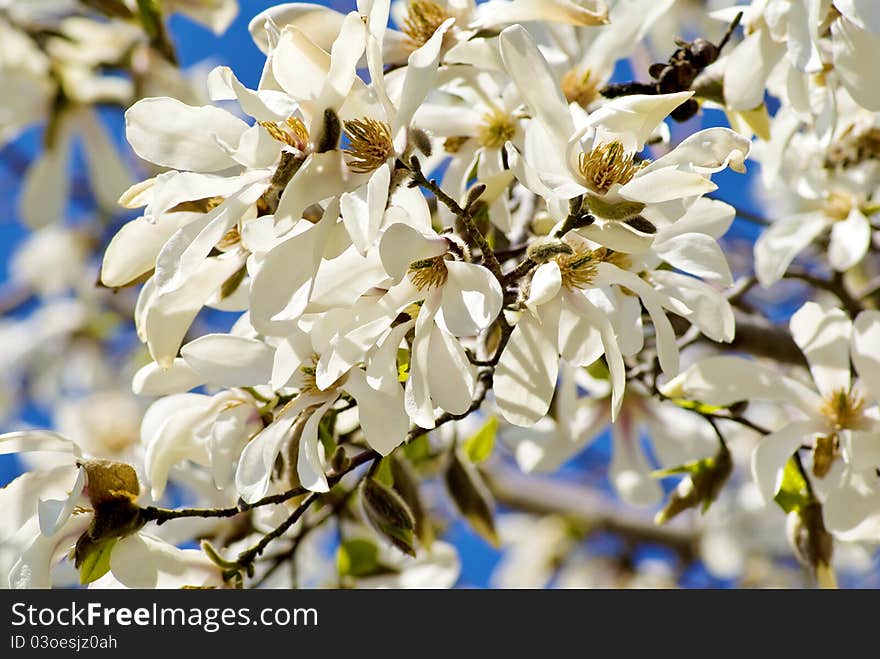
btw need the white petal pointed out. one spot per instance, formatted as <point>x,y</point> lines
<point>850,240</point>
<point>266,105</point>
<point>321,23</point>
<point>305,80</point>
<point>863,13</point>
<point>666,184</point>
<point>450,374</point>
<point>747,68</point>
<point>320,177</point>
<point>230,361</point>
<point>722,380</point>
<point>852,512</point>
<point>613,356</point>
<point>382,373</point>
<point>865,353</point>
<point>421,72</point>
<point>696,254</point>
<point>168,316</point>
<point>708,151</point>
<point>629,471</point>
<point>782,241</point>
<point>666,347</point>
<point>774,450</point>
<point>472,298</point>
<point>108,173</point>
<point>632,119</point>
<point>281,289</point>
<point>363,210</point>
<point>24,441</point>
<point>310,456</point>
<point>536,82</point>
<point>54,513</point>
<point>402,244</point>
<point>525,377</point>
<point>382,416</point>
<point>703,306</point>
<point>546,283</point>
<point>133,250</point>
<point>167,132</point>
<point>153,380</point>
<point>823,335</point>
<point>567,12</point>
<point>617,236</point>
<point>862,80</point>
<point>142,561</point>
<point>46,185</point>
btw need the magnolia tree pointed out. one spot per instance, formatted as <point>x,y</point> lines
<point>460,242</point>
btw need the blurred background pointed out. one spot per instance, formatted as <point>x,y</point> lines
<point>68,350</point>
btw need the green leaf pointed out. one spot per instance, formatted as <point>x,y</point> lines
<point>479,447</point>
<point>419,449</point>
<point>472,499</point>
<point>383,473</point>
<point>96,561</point>
<point>696,406</point>
<point>402,364</point>
<point>357,558</point>
<point>794,493</point>
<point>599,370</point>
<point>388,513</point>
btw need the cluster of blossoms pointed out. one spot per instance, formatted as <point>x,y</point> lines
<point>459,216</point>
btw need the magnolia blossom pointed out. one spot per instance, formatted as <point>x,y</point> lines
<point>677,435</point>
<point>837,420</point>
<point>811,48</point>
<point>44,529</point>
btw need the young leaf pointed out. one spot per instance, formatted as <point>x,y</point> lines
<point>479,447</point>
<point>389,514</point>
<point>472,499</point>
<point>793,494</point>
<point>357,558</point>
<point>96,561</point>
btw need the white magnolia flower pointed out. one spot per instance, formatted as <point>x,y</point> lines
<point>811,47</point>
<point>598,160</point>
<point>677,435</point>
<point>49,513</point>
<point>208,430</point>
<point>839,419</point>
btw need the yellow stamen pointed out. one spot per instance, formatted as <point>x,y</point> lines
<point>578,269</point>
<point>454,144</point>
<point>370,144</point>
<point>423,17</point>
<point>579,87</point>
<point>843,409</point>
<point>292,132</point>
<point>496,128</point>
<point>837,206</point>
<point>428,273</point>
<point>606,165</point>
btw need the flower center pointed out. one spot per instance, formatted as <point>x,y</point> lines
<point>606,165</point>
<point>428,273</point>
<point>496,129</point>
<point>578,269</point>
<point>292,132</point>
<point>579,87</point>
<point>308,383</point>
<point>837,206</point>
<point>843,409</point>
<point>370,144</point>
<point>423,17</point>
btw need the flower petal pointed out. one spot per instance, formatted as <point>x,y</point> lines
<point>865,356</point>
<point>167,132</point>
<point>823,335</point>
<point>472,298</point>
<point>782,241</point>
<point>850,240</point>
<point>774,450</point>
<point>382,416</point>
<point>525,377</point>
<point>230,361</point>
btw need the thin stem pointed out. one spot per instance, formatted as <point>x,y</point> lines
<point>466,215</point>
